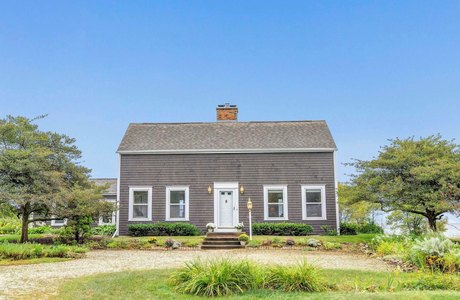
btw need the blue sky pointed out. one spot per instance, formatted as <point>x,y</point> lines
<point>373,69</point>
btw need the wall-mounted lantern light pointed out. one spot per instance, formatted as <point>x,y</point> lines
<point>241,190</point>
<point>209,190</point>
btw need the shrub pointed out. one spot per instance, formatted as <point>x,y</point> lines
<point>253,244</point>
<point>294,229</point>
<point>216,277</point>
<point>328,231</point>
<point>370,227</point>
<point>390,247</point>
<point>436,253</point>
<point>163,229</point>
<point>243,238</point>
<point>128,244</point>
<point>44,229</point>
<point>433,282</point>
<point>9,225</point>
<point>108,230</point>
<point>303,277</point>
<point>348,229</point>
<point>332,246</point>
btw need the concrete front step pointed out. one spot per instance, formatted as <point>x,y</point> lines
<point>222,240</point>
<point>216,247</point>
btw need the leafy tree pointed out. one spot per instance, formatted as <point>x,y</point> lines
<point>352,209</point>
<point>36,169</point>
<point>80,206</point>
<point>415,176</point>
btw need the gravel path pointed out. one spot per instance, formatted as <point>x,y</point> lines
<point>20,281</point>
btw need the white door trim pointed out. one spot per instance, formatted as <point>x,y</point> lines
<point>226,186</point>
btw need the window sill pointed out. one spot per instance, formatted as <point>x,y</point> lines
<point>315,219</point>
<point>276,219</point>
<point>136,220</point>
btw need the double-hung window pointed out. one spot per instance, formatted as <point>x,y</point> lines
<point>140,204</point>
<point>313,202</point>
<point>177,199</point>
<point>275,202</point>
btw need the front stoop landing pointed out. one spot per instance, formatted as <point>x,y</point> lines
<point>222,240</point>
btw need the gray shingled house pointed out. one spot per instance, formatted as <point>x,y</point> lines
<point>205,172</point>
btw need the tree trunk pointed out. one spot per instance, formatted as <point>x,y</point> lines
<point>77,236</point>
<point>432,223</point>
<point>25,228</point>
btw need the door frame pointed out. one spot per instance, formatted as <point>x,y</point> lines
<point>226,186</point>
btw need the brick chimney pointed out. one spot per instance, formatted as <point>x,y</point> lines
<point>227,112</point>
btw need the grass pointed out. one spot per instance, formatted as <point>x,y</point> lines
<point>17,237</point>
<point>354,239</point>
<point>33,261</point>
<point>153,284</point>
<point>196,240</point>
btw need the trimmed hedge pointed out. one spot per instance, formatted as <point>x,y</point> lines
<point>163,229</point>
<point>291,229</point>
<point>348,229</point>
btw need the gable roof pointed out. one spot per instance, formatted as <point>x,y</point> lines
<point>239,137</point>
<point>112,190</point>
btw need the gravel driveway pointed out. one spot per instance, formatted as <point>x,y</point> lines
<point>20,281</point>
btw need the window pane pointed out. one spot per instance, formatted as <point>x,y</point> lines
<point>177,211</point>
<point>177,197</point>
<point>275,196</point>
<point>275,211</point>
<point>140,211</point>
<point>313,195</point>
<point>61,221</point>
<point>314,210</point>
<point>107,218</point>
<point>141,197</point>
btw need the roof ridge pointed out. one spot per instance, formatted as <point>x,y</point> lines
<point>238,122</point>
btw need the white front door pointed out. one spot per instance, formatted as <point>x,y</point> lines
<point>226,209</point>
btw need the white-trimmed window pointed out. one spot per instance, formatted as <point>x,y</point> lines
<point>108,219</point>
<point>275,202</point>
<point>140,203</point>
<point>177,199</point>
<point>313,202</point>
<point>59,222</point>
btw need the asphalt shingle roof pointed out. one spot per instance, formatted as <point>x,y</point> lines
<point>103,181</point>
<point>226,136</point>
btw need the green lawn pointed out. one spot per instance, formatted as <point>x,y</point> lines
<point>153,284</point>
<point>359,238</point>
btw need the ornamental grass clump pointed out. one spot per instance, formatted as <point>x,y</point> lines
<point>300,278</point>
<point>30,250</point>
<point>217,277</point>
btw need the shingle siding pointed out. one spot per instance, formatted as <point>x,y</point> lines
<point>253,171</point>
